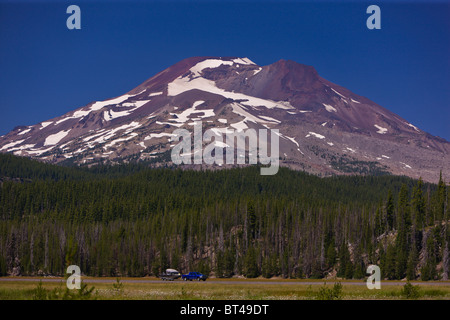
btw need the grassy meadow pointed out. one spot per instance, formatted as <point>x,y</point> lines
<point>219,289</point>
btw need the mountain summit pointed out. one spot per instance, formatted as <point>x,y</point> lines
<point>324,128</point>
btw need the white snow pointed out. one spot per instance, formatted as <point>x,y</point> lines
<point>350,149</point>
<point>355,101</point>
<point>159,135</point>
<point>80,113</point>
<point>197,103</point>
<point>184,116</point>
<point>23,147</point>
<point>39,151</point>
<point>270,119</point>
<point>75,115</point>
<point>100,104</point>
<point>155,94</point>
<point>136,104</point>
<point>315,135</point>
<point>182,84</point>
<point>338,93</point>
<point>24,131</point>
<point>131,136</point>
<point>330,143</point>
<point>64,119</point>
<point>55,138</point>
<point>255,72</point>
<point>243,61</point>
<point>329,108</point>
<point>324,124</point>
<point>413,126</point>
<point>90,137</point>
<point>45,124</point>
<point>381,130</point>
<point>208,63</point>
<point>385,156</point>
<point>406,165</point>
<point>111,114</point>
<point>294,141</point>
<point>169,123</point>
<point>12,144</point>
<point>239,109</point>
<point>222,120</point>
<point>110,133</point>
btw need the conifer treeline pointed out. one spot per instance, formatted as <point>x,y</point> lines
<point>133,221</point>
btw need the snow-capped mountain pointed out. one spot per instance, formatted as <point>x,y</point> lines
<point>324,128</point>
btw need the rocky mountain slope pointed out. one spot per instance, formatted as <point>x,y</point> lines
<point>324,128</point>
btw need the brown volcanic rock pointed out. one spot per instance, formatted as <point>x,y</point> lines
<point>324,127</point>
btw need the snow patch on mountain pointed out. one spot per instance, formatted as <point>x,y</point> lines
<point>38,152</point>
<point>111,114</point>
<point>270,119</point>
<point>11,144</point>
<point>208,63</point>
<point>381,130</point>
<point>183,117</point>
<point>22,147</point>
<point>255,72</point>
<point>24,131</point>
<point>338,93</point>
<point>329,108</point>
<point>45,124</point>
<point>406,165</point>
<point>243,61</point>
<point>315,135</point>
<point>55,138</point>
<point>100,104</point>
<point>412,126</point>
<point>183,84</point>
<point>159,135</point>
<point>131,136</point>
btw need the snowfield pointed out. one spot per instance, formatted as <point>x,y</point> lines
<point>315,135</point>
<point>55,138</point>
<point>329,108</point>
<point>381,130</point>
<point>183,84</point>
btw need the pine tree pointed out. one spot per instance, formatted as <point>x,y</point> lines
<point>389,265</point>
<point>419,205</point>
<point>250,264</point>
<point>412,263</point>
<point>390,210</point>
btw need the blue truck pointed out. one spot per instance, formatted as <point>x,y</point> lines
<point>194,276</point>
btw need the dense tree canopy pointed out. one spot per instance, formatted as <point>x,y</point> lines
<point>135,221</point>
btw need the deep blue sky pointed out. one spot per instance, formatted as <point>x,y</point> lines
<point>47,70</point>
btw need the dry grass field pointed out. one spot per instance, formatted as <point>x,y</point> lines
<point>218,289</point>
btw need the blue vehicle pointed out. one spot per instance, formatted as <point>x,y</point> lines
<point>194,276</point>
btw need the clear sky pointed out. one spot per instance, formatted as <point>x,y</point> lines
<point>47,70</point>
